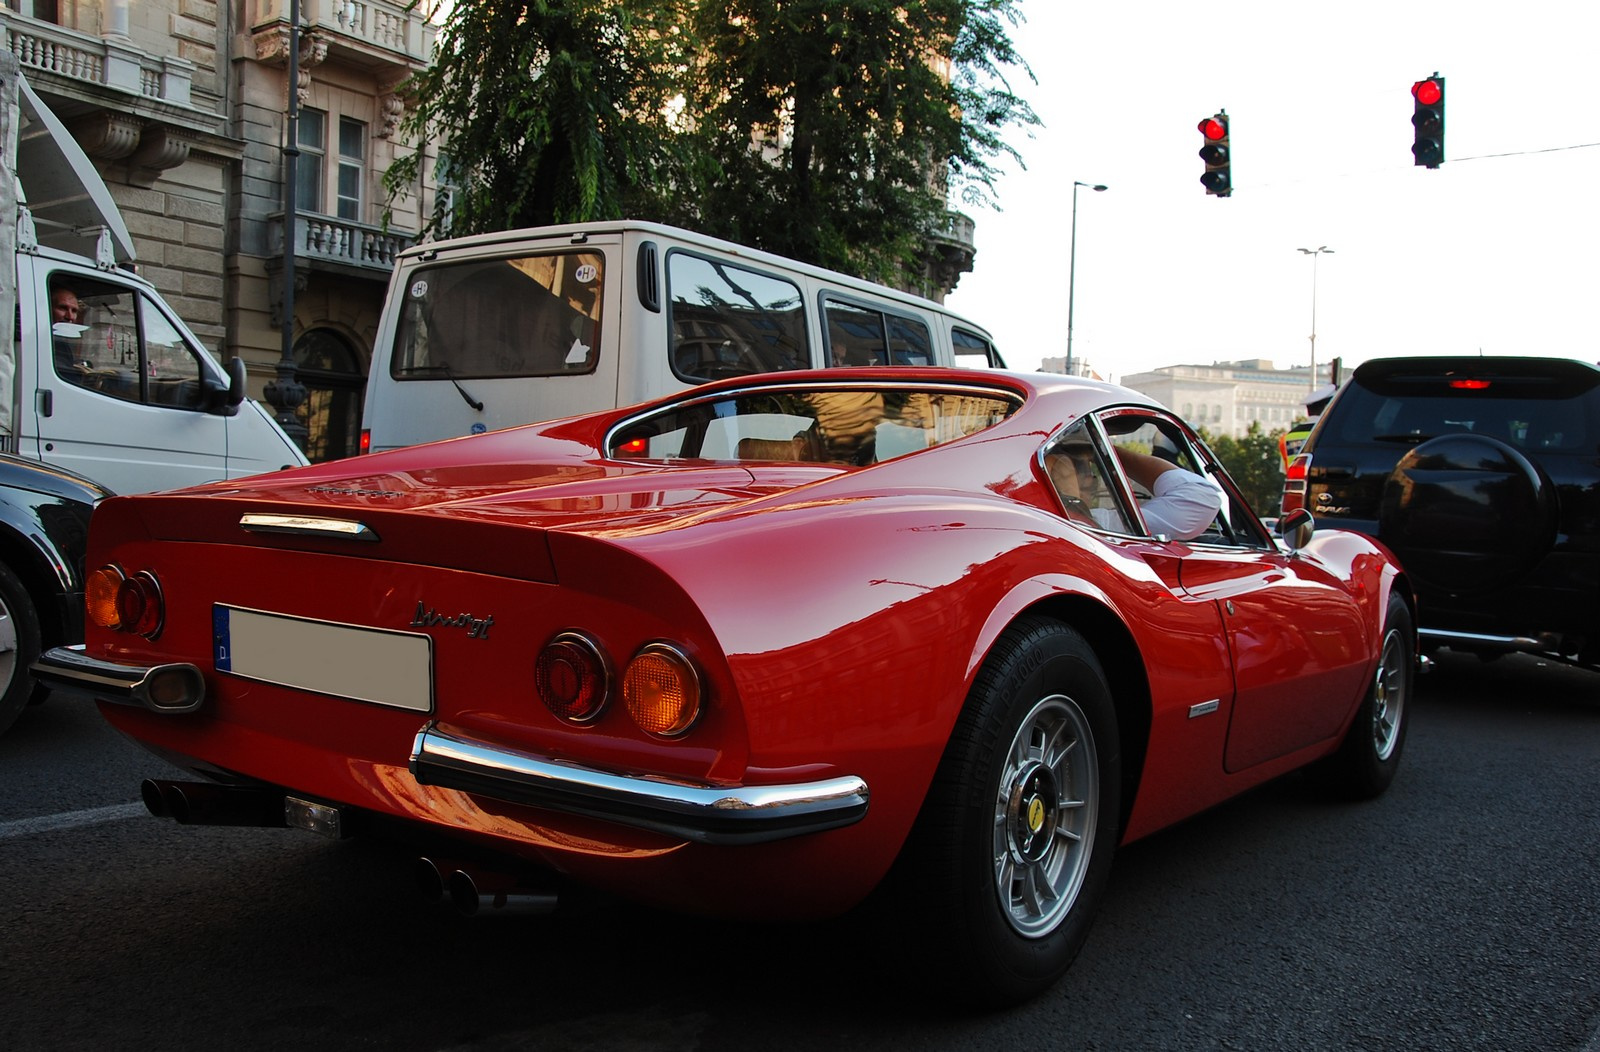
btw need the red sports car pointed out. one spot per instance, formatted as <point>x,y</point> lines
<point>756,650</point>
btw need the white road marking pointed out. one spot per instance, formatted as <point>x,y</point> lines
<point>22,827</point>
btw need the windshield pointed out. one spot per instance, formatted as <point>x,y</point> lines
<point>520,316</point>
<point>831,425</point>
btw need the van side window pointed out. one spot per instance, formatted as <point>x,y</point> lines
<point>522,316</point>
<point>973,351</point>
<point>860,335</point>
<point>731,321</point>
<point>118,343</point>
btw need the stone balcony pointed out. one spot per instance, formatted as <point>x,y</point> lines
<point>390,40</point>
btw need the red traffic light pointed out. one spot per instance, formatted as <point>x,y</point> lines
<point>1427,92</point>
<point>1213,129</point>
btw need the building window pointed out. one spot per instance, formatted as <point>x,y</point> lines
<point>312,164</point>
<point>352,168</point>
<point>43,10</point>
<point>346,191</point>
<point>335,387</point>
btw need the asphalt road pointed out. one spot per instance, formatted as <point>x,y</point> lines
<point>1459,911</point>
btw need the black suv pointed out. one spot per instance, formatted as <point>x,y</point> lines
<point>1483,476</point>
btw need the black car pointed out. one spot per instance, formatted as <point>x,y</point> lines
<point>1483,476</point>
<point>44,531</point>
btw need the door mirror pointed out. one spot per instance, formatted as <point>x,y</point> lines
<point>226,400</point>
<point>1296,527</point>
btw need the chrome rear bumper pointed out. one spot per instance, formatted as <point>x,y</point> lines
<point>173,688</point>
<point>703,814</point>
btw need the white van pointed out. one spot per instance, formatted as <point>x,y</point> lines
<point>490,331</point>
<point>102,377</point>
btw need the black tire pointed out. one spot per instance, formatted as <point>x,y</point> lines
<point>1370,753</point>
<point>1010,855</point>
<point>19,646</point>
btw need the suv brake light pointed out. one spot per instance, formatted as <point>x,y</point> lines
<point>1294,484</point>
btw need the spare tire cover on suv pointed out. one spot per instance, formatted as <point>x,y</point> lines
<point>1467,513</point>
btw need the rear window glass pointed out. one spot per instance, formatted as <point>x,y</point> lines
<point>520,316</point>
<point>1532,412</point>
<point>834,425</point>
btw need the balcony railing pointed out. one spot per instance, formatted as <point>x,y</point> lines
<point>340,243</point>
<point>377,31</point>
<point>43,47</point>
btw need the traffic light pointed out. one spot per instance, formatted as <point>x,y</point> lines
<point>1428,119</point>
<point>1218,177</point>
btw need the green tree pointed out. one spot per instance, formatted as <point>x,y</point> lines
<point>1254,463</point>
<point>550,111</point>
<point>837,126</point>
<point>822,130</point>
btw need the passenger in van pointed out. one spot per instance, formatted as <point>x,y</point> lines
<point>1182,504</point>
<point>66,312</point>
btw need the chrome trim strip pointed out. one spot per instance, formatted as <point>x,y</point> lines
<point>1205,708</point>
<point>1547,641</point>
<point>307,526</point>
<point>72,671</point>
<point>705,814</point>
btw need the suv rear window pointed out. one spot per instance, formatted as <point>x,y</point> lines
<point>1535,407</point>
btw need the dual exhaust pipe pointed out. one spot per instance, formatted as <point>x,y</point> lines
<point>474,892</point>
<point>211,804</point>
<point>471,890</point>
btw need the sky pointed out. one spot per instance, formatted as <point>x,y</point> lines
<point>1495,252</point>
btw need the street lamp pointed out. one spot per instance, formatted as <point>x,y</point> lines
<point>1313,253</point>
<point>1072,265</point>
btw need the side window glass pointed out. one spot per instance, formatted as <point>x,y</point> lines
<point>1204,511</point>
<point>94,335</point>
<point>855,335</point>
<point>173,371</point>
<point>1079,469</point>
<point>910,341</point>
<point>730,321</point>
<point>972,351</point>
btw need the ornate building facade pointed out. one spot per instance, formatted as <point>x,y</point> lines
<point>183,106</point>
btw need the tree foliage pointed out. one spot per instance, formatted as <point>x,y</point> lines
<point>1255,464</point>
<point>822,130</point>
<point>549,111</point>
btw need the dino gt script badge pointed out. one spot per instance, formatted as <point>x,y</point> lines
<point>429,616</point>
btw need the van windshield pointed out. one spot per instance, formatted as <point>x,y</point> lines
<point>519,316</point>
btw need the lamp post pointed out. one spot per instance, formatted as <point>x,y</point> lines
<point>1072,264</point>
<point>1313,253</point>
<point>285,393</point>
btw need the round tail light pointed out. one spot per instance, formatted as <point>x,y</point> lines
<point>662,691</point>
<point>124,604</point>
<point>572,677</point>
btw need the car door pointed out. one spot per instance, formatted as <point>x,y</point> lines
<point>1295,636</point>
<point>122,391</point>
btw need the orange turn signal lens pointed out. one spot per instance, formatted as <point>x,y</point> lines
<point>662,691</point>
<point>573,677</point>
<point>100,597</point>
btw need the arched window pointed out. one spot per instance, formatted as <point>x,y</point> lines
<point>335,385</point>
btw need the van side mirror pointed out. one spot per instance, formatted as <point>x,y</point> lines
<point>1296,528</point>
<point>226,400</point>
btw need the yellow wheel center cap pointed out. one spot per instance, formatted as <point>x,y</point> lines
<point>1035,815</point>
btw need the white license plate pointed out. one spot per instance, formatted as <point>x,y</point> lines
<point>347,661</point>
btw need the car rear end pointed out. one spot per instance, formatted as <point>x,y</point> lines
<point>1483,476</point>
<point>358,666</point>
